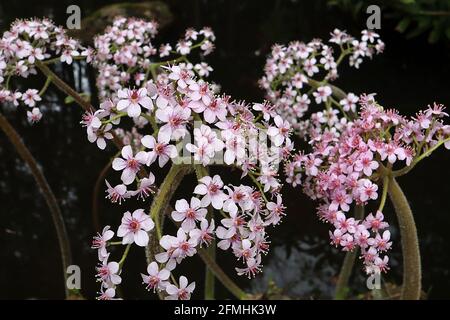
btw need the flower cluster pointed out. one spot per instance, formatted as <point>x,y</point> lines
<point>126,57</point>
<point>350,159</point>
<point>26,44</point>
<point>290,72</point>
<point>176,115</point>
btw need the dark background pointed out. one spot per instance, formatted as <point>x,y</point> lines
<point>408,76</point>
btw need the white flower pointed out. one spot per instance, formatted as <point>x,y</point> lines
<point>156,279</point>
<point>211,189</point>
<point>188,214</point>
<point>134,228</point>
<point>129,164</point>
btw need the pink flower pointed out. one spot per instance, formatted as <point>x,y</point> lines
<point>183,292</point>
<point>367,190</point>
<point>132,100</point>
<point>205,234</point>
<point>175,120</point>
<point>344,224</point>
<point>382,243</point>
<point>146,186</point>
<point>253,267</point>
<point>107,294</point>
<point>183,247</point>
<point>156,279</point>
<point>100,240</point>
<point>211,189</point>
<point>188,214</point>
<point>161,150</point>
<point>280,132</point>
<point>322,94</point>
<point>366,164</point>
<point>129,164</point>
<point>118,193</point>
<point>215,109</point>
<point>134,228</point>
<point>34,115</point>
<point>276,211</point>
<point>376,223</point>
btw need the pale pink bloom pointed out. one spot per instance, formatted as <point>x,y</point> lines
<point>211,189</point>
<point>184,47</point>
<point>366,163</point>
<point>164,50</point>
<point>188,214</point>
<point>30,97</point>
<point>375,222</point>
<point>175,120</point>
<point>183,292</point>
<point>310,66</point>
<point>280,132</point>
<point>117,193</point>
<point>367,190</point>
<point>146,187</point>
<point>344,224</point>
<point>100,136</point>
<point>349,102</point>
<point>382,264</point>
<point>275,211</point>
<point>252,269</point>
<point>215,109</point>
<point>182,246</point>
<point>203,151</point>
<point>180,75</point>
<point>108,273</point>
<point>156,279</point>
<point>130,164</point>
<point>204,234</point>
<point>203,69</point>
<point>67,55</point>
<point>161,150</point>
<point>235,147</point>
<point>245,250</point>
<point>107,294</point>
<point>100,240</point>
<point>342,199</point>
<point>132,100</point>
<point>34,115</point>
<point>382,243</point>
<point>134,228</point>
<point>322,94</point>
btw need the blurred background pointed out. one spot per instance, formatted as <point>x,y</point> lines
<point>411,73</point>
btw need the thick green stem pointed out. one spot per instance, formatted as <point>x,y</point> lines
<point>347,266</point>
<point>25,154</point>
<point>201,172</point>
<point>412,270</point>
<point>161,203</point>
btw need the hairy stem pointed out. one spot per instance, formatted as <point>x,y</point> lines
<point>161,203</point>
<point>412,270</point>
<point>347,266</point>
<point>44,187</point>
<point>211,251</point>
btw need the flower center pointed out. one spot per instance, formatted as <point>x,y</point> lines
<point>135,225</point>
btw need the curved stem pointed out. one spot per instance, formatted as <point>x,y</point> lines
<point>221,275</point>
<point>95,194</point>
<point>161,203</point>
<point>347,266</point>
<point>64,87</point>
<point>201,172</point>
<point>412,270</point>
<point>41,181</point>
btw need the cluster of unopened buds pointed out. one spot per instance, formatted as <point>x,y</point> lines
<point>26,44</point>
<point>291,72</point>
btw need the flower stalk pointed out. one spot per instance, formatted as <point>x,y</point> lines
<point>44,187</point>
